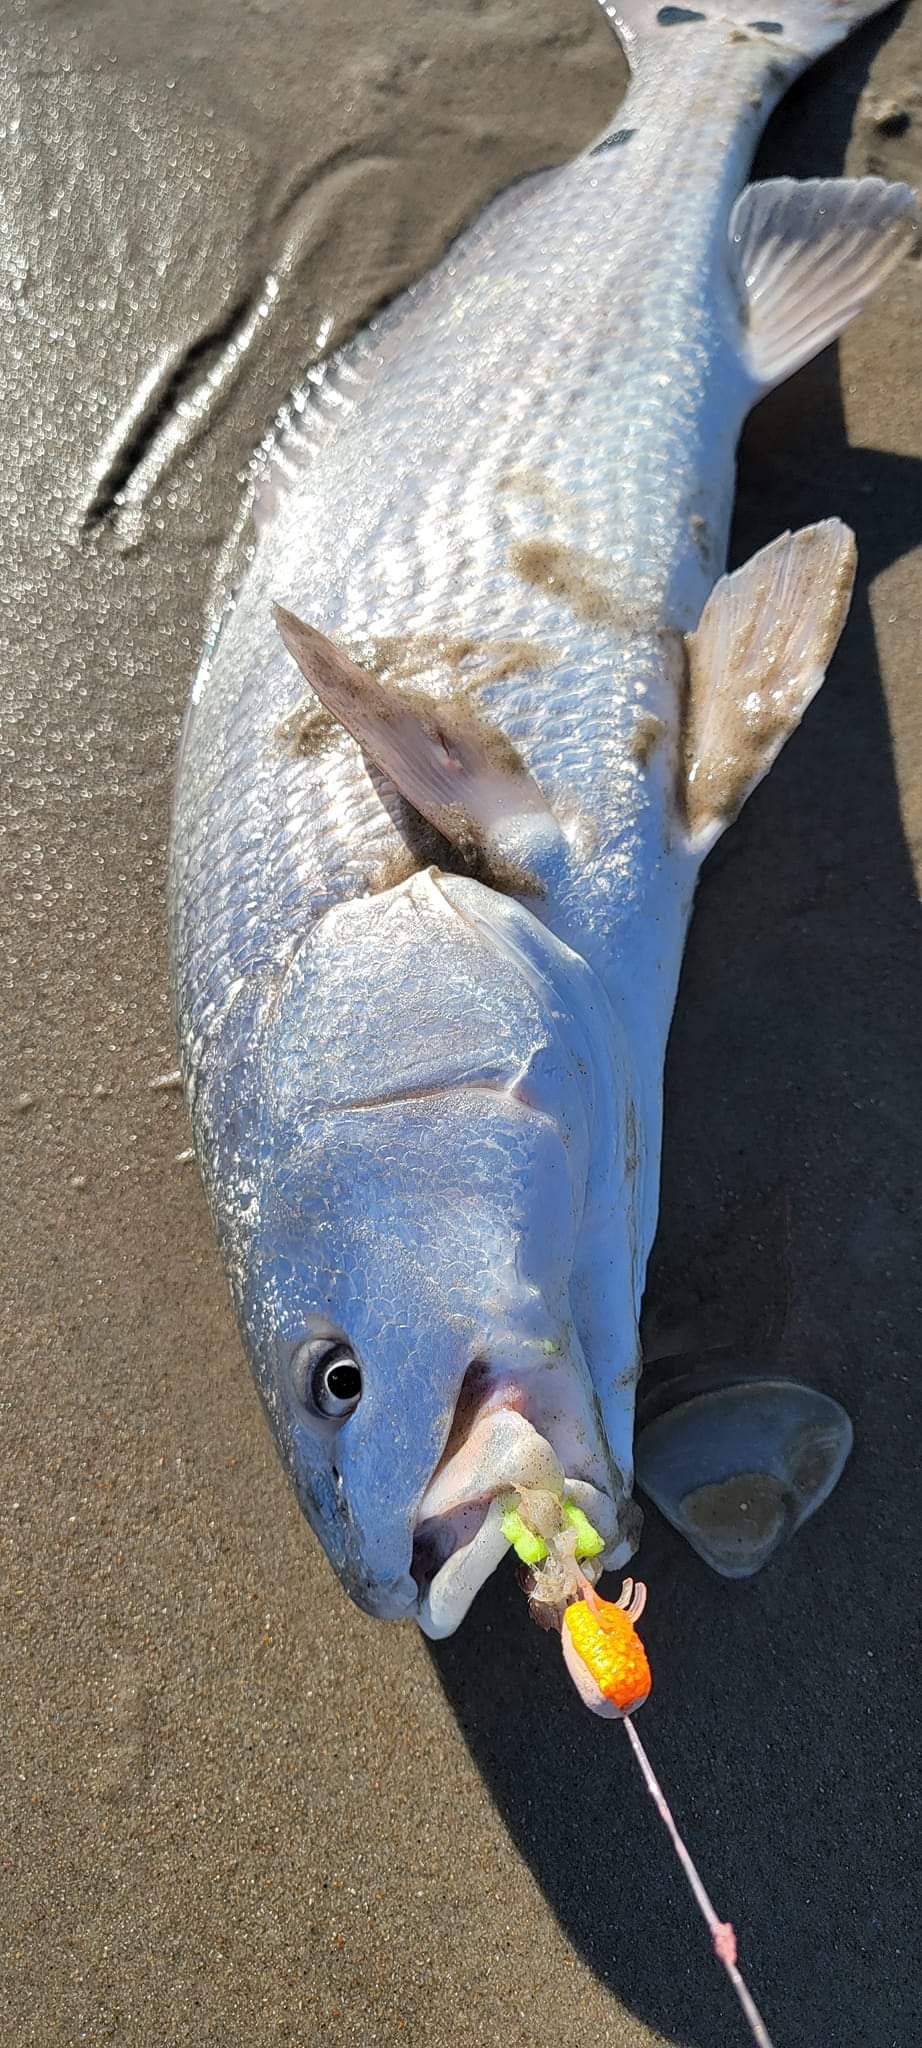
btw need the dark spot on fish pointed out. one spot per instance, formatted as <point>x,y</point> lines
<point>615,141</point>
<point>669,17</point>
<point>767,28</point>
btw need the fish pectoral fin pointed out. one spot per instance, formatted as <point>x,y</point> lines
<point>755,660</point>
<point>805,255</point>
<point>739,1465</point>
<point>458,771</point>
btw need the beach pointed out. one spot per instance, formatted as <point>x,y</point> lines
<point>233,1809</point>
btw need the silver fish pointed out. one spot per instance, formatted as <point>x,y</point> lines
<point>434,853</point>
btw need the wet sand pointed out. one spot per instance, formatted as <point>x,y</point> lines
<point>233,1809</point>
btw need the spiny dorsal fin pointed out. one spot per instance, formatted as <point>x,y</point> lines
<point>805,255</point>
<point>755,660</point>
<point>462,774</point>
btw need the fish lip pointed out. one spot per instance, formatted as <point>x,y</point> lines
<point>501,1449</point>
<point>471,1508</point>
<point>444,1599</point>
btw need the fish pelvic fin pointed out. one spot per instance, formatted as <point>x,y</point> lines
<point>755,661</point>
<point>801,30</point>
<point>805,255</point>
<point>455,769</point>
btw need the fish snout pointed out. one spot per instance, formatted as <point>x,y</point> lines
<point>361,1568</point>
<point>384,1599</point>
<point>369,1555</point>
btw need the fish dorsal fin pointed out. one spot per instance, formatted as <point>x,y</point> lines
<point>461,773</point>
<point>805,255</point>
<point>755,660</point>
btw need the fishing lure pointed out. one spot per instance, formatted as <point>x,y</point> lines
<point>603,1652</point>
<point>608,1664</point>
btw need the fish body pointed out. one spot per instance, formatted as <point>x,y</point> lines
<point>428,916</point>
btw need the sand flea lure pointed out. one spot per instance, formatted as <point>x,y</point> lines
<point>608,1665</point>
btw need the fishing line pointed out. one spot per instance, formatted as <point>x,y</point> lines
<point>721,1931</point>
<point>607,1662</point>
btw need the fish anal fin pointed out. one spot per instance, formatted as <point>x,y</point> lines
<point>805,255</point>
<point>755,660</point>
<point>456,770</point>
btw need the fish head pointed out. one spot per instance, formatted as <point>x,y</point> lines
<point>420,1207</point>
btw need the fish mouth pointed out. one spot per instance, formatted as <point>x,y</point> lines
<point>495,1450</point>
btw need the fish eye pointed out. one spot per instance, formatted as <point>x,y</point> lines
<point>336,1383</point>
<point>328,1378</point>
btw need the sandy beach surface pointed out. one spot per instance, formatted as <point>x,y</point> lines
<point>234,1811</point>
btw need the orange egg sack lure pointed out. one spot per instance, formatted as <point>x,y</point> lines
<point>603,1652</point>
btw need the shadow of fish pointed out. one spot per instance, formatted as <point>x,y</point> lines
<point>427,918</point>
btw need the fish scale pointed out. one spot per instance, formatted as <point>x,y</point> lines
<point>604,410</point>
<point>426,1073</point>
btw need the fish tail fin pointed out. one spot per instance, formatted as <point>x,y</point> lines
<point>804,255</point>
<point>802,29</point>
